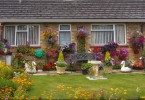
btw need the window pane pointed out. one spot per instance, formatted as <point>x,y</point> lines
<point>120,34</point>
<point>22,27</point>
<point>10,34</point>
<point>64,27</point>
<point>102,27</point>
<point>34,35</point>
<point>64,37</point>
<point>21,38</point>
<point>101,37</point>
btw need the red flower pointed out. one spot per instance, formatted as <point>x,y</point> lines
<point>19,56</point>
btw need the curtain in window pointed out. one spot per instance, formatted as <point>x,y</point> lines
<point>64,37</point>
<point>101,37</point>
<point>120,34</point>
<point>10,34</point>
<point>34,35</point>
<point>21,38</point>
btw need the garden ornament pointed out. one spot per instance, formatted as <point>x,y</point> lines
<point>30,67</point>
<point>124,68</point>
<point>89,51</point>
<point>39,53</point>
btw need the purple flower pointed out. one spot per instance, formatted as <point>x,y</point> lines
<point>69,47</point>
<point>82,32</point>
<point>123,52</point>
<point>136,39</point>
<point>99,55</point>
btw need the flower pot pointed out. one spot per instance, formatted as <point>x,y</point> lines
<point>60,70</point>
<point>8,59</point>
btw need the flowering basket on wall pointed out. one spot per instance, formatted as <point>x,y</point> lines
<point>52,48</point>
<point>50,36</point>
<point>136,41</point>
<point>82,32</point>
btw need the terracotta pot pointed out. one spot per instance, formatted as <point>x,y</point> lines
<point>60,70</point>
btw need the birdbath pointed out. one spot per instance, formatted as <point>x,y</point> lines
<point>95,66</point>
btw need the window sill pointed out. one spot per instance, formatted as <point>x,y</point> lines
<point>125,45</point>
<point>35,47</point>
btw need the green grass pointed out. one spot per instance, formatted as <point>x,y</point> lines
<point>48,84</point>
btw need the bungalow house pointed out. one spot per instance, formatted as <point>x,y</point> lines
<point>105,20</point>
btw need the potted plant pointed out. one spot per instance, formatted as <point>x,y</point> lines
<point>61,64</point>
<point>136,41</point>
<point>85,67</point>
<point>108,63</point>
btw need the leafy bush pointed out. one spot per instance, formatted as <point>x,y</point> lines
<point>18,61</point>
<point>25,49</point>
<point>86,65</point>
<point>6,72</point>
<point>7,88</point>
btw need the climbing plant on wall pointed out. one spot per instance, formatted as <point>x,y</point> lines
<point>52,48</point>
<point>81,39</point>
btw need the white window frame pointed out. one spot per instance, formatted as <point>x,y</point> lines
<point>63,31</point>
<point>24,31</point>
<point>108,30</point>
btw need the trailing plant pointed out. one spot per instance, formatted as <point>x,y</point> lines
<point>52,48</point>
<point>81,38</point>
<point>136,41</point>
<point>110,46</point>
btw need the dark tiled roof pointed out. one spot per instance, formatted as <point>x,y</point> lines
<point>72,9</point>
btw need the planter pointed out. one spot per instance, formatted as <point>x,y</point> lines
<point>60,70</point>
<point>108,69</point>
<point>8,59</point>
<point>85,71</point>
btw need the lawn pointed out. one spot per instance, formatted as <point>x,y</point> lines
<point>45,86</point>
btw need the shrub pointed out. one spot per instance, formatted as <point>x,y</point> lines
<point>25,49</point>
<point>6,72</point>
<point>86,65</point>
<point>7,89</point>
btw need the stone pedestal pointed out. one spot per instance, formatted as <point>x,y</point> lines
<point>95,66</point>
